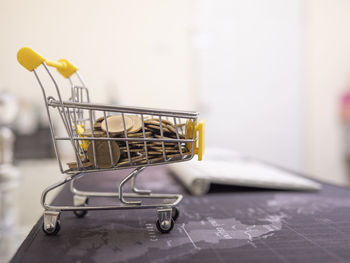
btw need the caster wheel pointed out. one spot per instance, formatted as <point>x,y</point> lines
<point>81,213</point>
<point>175,213</point>
<point>165,226</point>
<point>52,231</point>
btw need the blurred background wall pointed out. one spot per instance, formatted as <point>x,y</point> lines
<point>326,75</point>
<point>136,52</point>
<point>266,75</point>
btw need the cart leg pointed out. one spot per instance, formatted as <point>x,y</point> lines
<point>72,188</point>
<point>165,222</point>
<point>126,179</point>
<point>135,189</point>
<point>175,211</point>
<point>51,224</point>
<point>52,187</point>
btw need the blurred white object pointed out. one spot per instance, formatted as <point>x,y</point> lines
<point>226,167</point>
<point>7,140</point>
<point>9,179</point>
<point>9,175</point>
<point>27,121</point>
<point>8,113</point>
<point>8,108</point>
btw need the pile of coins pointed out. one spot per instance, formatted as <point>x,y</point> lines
<point>111,153</point>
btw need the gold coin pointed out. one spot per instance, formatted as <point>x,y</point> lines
<point>166,144</point>
<point>136,145</point>
<point>136,142</point>
<point>133,158</point>
<point>137,123</point>
<point>131,146</point>
<point>171,129</point>
<point>103,159</point>
<point>158,148</point>
<point>167,128</point>
<point>166,149</point>
<point>181,136</point>
<point>116,135</point>
<point>126,161</point>
<point>167,122</point>
<point>97,125</point>
<point>83,157</point>
<point>140,134</point>
<point>156,121</point>
<point>88,133</point>
<point>133,150</point>
<point>124,155</point>
<point>100,119</point>
<point>116,125</point>
<point>148,145</point>
<point>168,136</point>
<point>124,148</point>
<point>74,165</point>
<point>164,128</point>
<point>151,122</point>
<point>189,133</point>
<point>154,153</point>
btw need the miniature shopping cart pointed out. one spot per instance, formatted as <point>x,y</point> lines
<point>152,137</point>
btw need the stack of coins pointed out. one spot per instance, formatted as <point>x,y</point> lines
<point>107,154</point>
<point>156,151</point>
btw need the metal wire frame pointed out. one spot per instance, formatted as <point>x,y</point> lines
<point>72,114</point>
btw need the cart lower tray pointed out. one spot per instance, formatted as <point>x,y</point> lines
<point>244,225</point>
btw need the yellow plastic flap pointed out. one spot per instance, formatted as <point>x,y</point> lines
<point>81,129</point>
<point>200,127</point>
<point>29,59</point>
<point>199,135</point>
<point>68,69</point>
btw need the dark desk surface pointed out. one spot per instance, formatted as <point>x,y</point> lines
<point>241,226</point>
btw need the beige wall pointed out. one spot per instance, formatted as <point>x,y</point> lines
<point>153,53</point>
<point>135,51</point>
<point>326,76</point>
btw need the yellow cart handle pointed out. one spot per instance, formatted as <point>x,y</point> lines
<point>200,128</point>
<point>199,134</point>
<point>30,59</point>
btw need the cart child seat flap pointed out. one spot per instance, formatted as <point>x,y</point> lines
<point>29,59</point>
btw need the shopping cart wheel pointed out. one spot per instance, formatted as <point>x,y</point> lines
<point>52,230</point>
<point>175,213</point>
<point>80,201</point>
<point>80,213</point>
<point>165,226</point>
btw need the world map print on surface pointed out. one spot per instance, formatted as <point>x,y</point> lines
<point>223,226</point>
